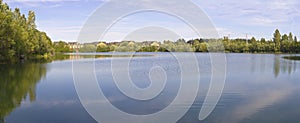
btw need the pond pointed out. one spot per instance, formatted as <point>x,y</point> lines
<point>259,88</point>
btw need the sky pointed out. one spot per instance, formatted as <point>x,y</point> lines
<point>63,19</point>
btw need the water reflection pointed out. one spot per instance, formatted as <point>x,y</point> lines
<point>261,63</point>
<point>259,88</point>
<point>18,83</point>
<point>283,66</point>
<point>260,95</point>
<point>76,56</point>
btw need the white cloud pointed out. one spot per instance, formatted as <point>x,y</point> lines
<point>254,16</point>
<point>272,11</point>
<point>231,17</point>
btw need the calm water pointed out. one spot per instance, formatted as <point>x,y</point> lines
<point>259,88</point>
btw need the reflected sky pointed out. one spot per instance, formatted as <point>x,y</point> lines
<point>259,88</point>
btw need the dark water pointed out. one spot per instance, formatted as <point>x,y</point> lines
<point>259,88</point>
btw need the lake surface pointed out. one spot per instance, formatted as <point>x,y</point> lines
<point>259,88</point>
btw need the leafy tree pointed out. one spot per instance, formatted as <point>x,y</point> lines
<point>102,47</point>
<point>88,48</point>
<point>61,47</point>
<point>180,41</point>
<point>253,47</point>
<point>284,38</point>
<point>203,47</point>
<point>291,38</point>
<point>277,40</point>
<point>263,40</point>
<point>31,20</point>
<point>19,37</point>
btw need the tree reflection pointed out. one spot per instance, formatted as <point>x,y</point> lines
<point>17,83</point>
<point>283,66</point>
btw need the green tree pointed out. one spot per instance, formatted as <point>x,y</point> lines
<point>284,38</point>
<point>180,41</point>
<point>19,37</point>
<point>203,47</point>
<point>88,48</point>
<point>31,20</point>
<point>285,43</point>
<point>263,40</point>
<point>291,38</point>
<point>253,46</point>
<point>277,40</point>
<point>102,47</point>
<point>61,47</point>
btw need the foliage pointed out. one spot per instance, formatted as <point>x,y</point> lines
<point>61,47</point>
<point>277,40</point>
<point>88,48</point>
<point>19,37</point>
<point>279,44</point>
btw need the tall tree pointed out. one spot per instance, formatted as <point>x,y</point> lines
<point>277,40</point>
<point>284,38</point>
<point>18,35</point>
<point>291,38</point>
<point>31,20</point>
<point>253,45</point>
<point>263,40</point>
<point>253,40</point>
<point>285,43</point>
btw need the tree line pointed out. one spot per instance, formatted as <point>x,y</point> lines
<point>19,36</point>
<point>286,43</point>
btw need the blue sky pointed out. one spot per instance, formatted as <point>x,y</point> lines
<point>63,19</point>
